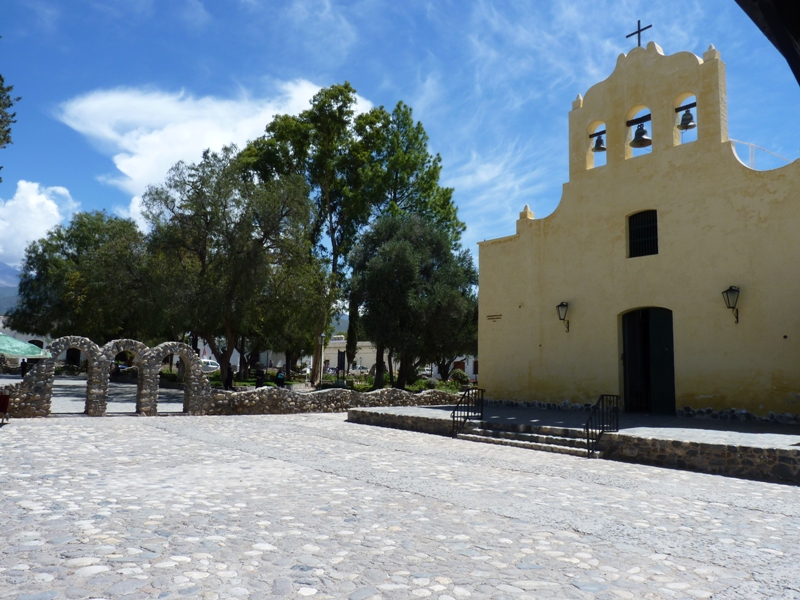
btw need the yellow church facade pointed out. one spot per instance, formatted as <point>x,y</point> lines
<point>638,253</point>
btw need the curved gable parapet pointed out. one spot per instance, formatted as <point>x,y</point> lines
<point>645,66</point>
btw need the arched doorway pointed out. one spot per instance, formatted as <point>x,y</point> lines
<point>648,360</point>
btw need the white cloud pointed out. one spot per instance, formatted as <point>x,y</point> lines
<point>147,131</point>
<point>133,211</point>
<point>29,215</point>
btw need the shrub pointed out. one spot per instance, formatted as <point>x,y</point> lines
<point>431,383</point>
<point>448,386</point>
<point>459,377</point>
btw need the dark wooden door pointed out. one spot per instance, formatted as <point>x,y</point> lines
<point>662,362</point>
<point>636,361</point>
<point>648,361</point>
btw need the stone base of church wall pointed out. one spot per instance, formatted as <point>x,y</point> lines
<point>726,414</point>
<point>762,464</point>
<point>733,414</point>
<point>563,405</point>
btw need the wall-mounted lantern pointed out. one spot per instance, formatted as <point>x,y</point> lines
<point>731,297</point>
<point>562,314</point>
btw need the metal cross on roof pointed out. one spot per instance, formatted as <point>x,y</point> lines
<point>638,32</point>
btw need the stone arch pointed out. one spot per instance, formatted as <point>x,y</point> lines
<point>198,388</point>
<point>146,390</point>
<point>97,376</point>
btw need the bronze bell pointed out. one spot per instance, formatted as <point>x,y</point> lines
<point>687,121</point>
<point>640,139</point>
<point>599,146</point>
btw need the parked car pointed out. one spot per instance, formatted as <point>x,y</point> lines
<point>208,365</point>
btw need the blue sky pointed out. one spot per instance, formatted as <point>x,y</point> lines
<point>116,91</point>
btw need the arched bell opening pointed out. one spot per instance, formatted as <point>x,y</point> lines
<point>685,129</point>
<point>639,140</point>
<point>596,151</point>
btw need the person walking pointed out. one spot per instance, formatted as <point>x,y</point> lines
<point>23,367</point>
<point>281,378</point>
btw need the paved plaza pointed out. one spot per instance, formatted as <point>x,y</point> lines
<point>312,506</point>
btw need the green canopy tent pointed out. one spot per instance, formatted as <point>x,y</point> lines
<point>14,348</point>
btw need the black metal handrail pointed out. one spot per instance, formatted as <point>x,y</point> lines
<point>470,406</point>
<point>604,417</point>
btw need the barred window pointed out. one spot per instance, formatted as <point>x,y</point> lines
<point>643,234</point>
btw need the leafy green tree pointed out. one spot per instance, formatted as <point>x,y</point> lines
<point>409,277</point>
<point>453,321</point>
<point>402,176</point>
<point>295,300</point>
<point>327,145</point>
<point>219,233</point>
<point>6,118</point>
<point>83,279</point>
<point>324,145</point>
<point>357,167</point>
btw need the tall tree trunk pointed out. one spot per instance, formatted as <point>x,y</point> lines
<point>243,370</point>
<point>352,332</point>
<point>380,368</point>
<point>223,358</point>
<point>316,364</point>
<point>444,368</point>
<point>290,358</point>
<point>406,372</point>
<point>402,377</point>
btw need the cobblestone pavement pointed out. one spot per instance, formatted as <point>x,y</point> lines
<point>311,506</point>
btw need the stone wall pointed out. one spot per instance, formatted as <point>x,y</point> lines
<point>433,425</point>
<point>32,396</point>
<point>762,464</point>
<point>273,400</point>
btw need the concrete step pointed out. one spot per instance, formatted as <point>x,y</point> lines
<point>538,438</point>
<point>567,432</point>
<point>556,448</point>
